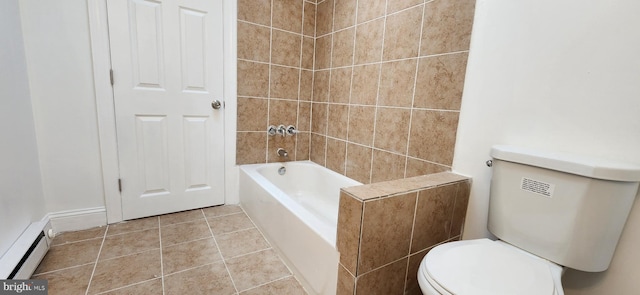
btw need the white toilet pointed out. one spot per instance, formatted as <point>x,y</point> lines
<point>550,211</point>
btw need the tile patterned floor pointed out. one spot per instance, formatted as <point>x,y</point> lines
<point>215,250</point>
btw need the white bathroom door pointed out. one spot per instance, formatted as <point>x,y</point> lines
<point>167,58</point>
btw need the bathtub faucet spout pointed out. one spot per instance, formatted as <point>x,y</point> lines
<point>282,152</point>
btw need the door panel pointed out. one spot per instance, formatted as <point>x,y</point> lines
<point>147,44</point>
<point>167,63</point>
<point>153,156</point>
<point>192,49</point>
<point>195,153</point>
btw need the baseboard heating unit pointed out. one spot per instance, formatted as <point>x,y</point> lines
<point>22,259</point>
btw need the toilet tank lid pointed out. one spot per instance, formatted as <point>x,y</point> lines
<point>587,166</point>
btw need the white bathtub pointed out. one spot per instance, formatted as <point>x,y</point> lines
<point>298,214</point>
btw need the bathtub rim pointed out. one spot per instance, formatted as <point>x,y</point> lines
<point>327,233</point>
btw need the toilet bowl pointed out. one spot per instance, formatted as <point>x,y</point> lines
<point>484,266</point>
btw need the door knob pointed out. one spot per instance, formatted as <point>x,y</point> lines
<point>216,104</point>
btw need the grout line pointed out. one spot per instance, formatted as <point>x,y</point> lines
<point>413,96</point>
<point>313,87</point>
<point>273,281</point>
<point>297,121</point>
<point>388,151</point>
<point>181,222</point>
<point>386,264</point>
<point>277,29</point>
<point>346,269</point>
<point>353,70</point>
<point>315,37</point>
<point>96,263</point>
<point>361,64</point>
<point>126,286</point>
<point>313,76</point>
<point>224,262</point>
<point>413,230</point>
<point>298,281</point>
<point>161,261</point>
<point>229,214</point>
<point>383,106</point>
<point>257,228</point>
<point>268,63</point>
<point>453,210</point>
<point>381,62</point>
<point>194,267</point>
<point>266,152</point>
<point>444,53</point>
<point>233,232</point>
<point>77,241</point>
<point>60,269</point>
<point>407,8</point>
<point>326,127</point>
<point>270,248</point>
<point>130,254</point>
<point>360,234</point>
<point>410,191</point>
<point>250,253</point>
<point>273,98</point>
<point>406,271</point>
<point>237,231</point>
<point>339,30</point>
<point>374,19</point>
<point>262,97</point>
<point>375,116</point>
<point>130,232</point>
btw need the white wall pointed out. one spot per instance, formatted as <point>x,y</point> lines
<point>21,200</point>
<point>557,75</point>
<point>56,37</point>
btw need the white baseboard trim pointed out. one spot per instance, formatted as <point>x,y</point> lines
<point>78,219</point>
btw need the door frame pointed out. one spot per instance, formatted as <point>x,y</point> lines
<point>105,108</point>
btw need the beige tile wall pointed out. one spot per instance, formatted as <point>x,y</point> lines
<point>385,229</point>
<point>275,77</point>
<point>388,82</point>
<point>374,85</point>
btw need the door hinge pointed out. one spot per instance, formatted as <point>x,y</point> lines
<point>119,184</point>
<point>111,76</point>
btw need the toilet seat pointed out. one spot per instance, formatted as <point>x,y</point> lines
<point>486,267</point>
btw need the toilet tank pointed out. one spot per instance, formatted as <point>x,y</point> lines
<point>566,208</point>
